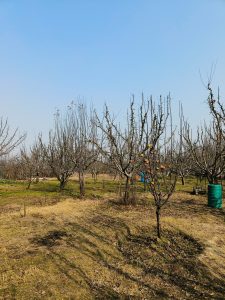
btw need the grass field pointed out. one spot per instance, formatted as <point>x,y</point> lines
<point>96,248</point>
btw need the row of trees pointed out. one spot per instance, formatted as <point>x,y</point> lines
<point>82,141</point>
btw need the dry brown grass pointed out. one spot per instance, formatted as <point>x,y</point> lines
<point>100,249</point>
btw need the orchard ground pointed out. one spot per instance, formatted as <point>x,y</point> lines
<point>57,246</point>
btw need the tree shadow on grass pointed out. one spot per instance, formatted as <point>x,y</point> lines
<point>172,262</point>
<point>99,291</point>
<point>52,238</point>
<point>175,262</point>
<point>91,245</point>
<point>191,207</point>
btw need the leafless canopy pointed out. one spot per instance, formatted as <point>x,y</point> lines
<point>32,163</point>
<point>161,162</point>
<point>84,153</point>
<point>9,140</point>
<point>207,149</point>
<point>124,146</point>
<point>58,152</point>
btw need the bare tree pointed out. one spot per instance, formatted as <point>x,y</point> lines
<point>185,163</point>
<point>10,168</point>
<point>9,140</point>
<point>125,148</point>
<point>70,146</point>
<point>216,107</point>
<point>161,163</point>
<point>186,168</point>
<point>207,149</point>
<point>122,147</point>
<point>58,152</point>
<point>32,163</point>
<point>84,133</point>
<point>98,167</point>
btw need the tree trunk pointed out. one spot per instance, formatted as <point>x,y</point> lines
<point>37,178</point>
<point>120,189</point>
<point>81,182</point>
<point>29,183</point>
<point>126,197</point>
<point>133,196</point>
<point>182,180</point>
<point>95,177</point>
<point>62,184</point>
<point>210,179</point>
<point>158,222</point>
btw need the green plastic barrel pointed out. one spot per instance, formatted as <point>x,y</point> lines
<point>215,195</point>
